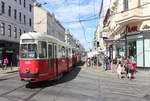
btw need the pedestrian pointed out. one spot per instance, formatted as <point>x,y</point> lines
<point>130,69</point>
<point>114,65</point>
<point>88,63</point>
<point>120,70</point>
<point>126,66</point>
<point>5,63</point>
<point>1,62</point>
<point>106,62</point>
<point>134,62</point>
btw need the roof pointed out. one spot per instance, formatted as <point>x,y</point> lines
<point>42,37</point>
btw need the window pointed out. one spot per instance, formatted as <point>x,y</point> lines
<point>28,51</point>
<point>30,8</point>
<point>50,54</point>
<point>139,3</point>
<point>24,17</point>
<point>30,22</point>
<point>20,2</point>
<point>42,49</point>
<point>20,16</point>
<point>126,5</point>
<point>20,32</point>
<point>3,7</point>
<point>15,32</point>
<point>24,3</point>
<point>15,13</point>
<point>9,10</point>
<point>63,52</point>
<point>2,28</point>
<point>9,30</point>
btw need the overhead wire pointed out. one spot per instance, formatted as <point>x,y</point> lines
<point>82,26</point>
<point>95,18</point>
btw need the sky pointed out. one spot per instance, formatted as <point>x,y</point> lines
<point>68,13</point>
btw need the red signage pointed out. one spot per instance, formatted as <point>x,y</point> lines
<point>130,29</point>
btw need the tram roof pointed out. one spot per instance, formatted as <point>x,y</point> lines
<point>42,37</point>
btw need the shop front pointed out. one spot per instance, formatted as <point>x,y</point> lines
<point>136,43</point>
<point>9,50</point>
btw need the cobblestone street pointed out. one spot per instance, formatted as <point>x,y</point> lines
<point>81,84</point>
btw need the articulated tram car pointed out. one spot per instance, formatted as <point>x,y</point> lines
<point>43,57</point>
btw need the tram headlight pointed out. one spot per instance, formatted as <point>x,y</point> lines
<point>27,70</point>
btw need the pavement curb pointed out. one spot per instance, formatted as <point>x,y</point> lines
<point>15,69</point>
<point>9,72</point>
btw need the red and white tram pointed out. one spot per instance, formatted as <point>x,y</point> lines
<point>43,57</point>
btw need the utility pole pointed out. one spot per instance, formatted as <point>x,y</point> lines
<point>126,42</point>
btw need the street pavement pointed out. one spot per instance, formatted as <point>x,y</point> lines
<point>8,70</point>
<point>81,84</point>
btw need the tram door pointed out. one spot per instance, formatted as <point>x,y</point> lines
<point>55,58</point>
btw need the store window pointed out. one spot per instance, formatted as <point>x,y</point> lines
<point>139,52</point>
<point>131,48</point>
<point>147,52</point>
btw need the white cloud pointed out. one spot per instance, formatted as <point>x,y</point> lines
<point>68,10</point>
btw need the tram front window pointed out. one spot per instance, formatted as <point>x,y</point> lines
<point>28,51</point>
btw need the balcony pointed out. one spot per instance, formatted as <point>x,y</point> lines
<point>131,16</point>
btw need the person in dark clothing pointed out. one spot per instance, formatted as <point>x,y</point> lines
<point>106,62</point>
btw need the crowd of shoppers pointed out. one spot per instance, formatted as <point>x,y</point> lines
<point>120,65</point>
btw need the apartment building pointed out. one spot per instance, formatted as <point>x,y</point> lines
<point>16,17</point>
<point>128,22</point>
<point>44,22</point>
<point>101,32</point>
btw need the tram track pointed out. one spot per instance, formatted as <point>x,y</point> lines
<point>8,92</point>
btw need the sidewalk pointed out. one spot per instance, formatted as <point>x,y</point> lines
<point>14,69</point>
<point>141,73</point>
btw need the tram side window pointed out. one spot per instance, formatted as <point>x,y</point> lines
<point>42,49</point>
<point>50,51</point>
<point>63,52</point>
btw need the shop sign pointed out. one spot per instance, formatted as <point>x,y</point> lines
<point>130,29</point>
<point>146,27</point>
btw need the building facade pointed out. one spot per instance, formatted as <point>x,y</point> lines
<point>16,17</point>
<point>128,22</point>
<point>44,22</point>
<point>101,33</point>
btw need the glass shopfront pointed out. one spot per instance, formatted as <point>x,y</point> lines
<point>139,52</point>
